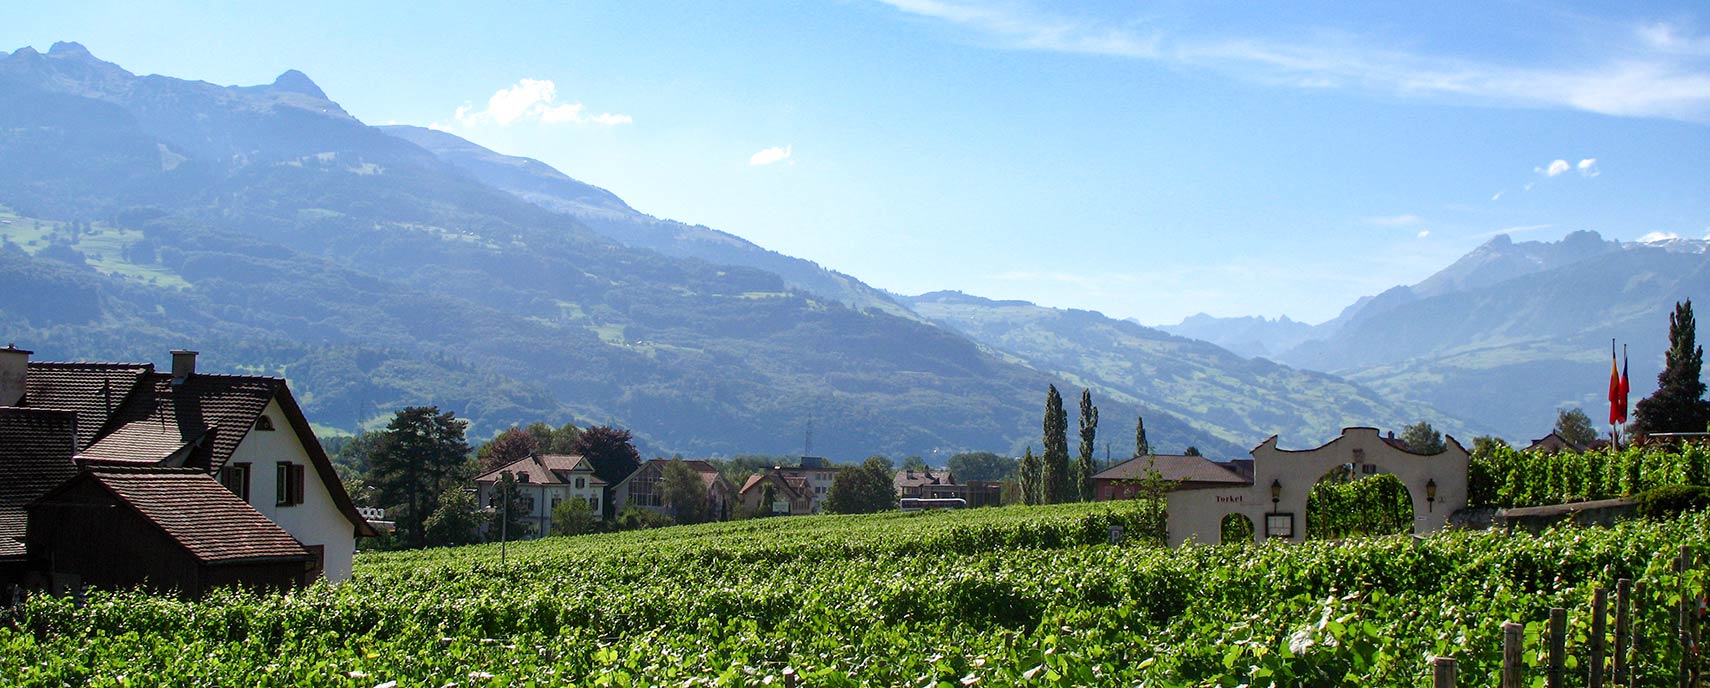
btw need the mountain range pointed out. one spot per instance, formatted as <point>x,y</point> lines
<point>1508,333</point>
<point>381,266</point>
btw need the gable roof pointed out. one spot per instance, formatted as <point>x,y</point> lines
<point>906,478</point>
<point>128,413</point>
<point>1174,468</point>
<point>792,487</point>
<point>193,510</point>
<point>94,391</point>
<point>36,446</point>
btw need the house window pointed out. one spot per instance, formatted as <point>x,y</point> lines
<point>288,484</point>
<point>235,476</point>
<point>644,490</point>
<point>263,423</point>
<point>581,483</point>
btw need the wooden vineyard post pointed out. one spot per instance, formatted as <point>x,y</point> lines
<point>1683,615</point>
<point>1623,627</point>
<point>1513,641</point>
<point>1599,629</point>
<point>1555,675</point>
<point>1443,672</point>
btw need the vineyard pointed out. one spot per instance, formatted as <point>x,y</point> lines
<point>1001,596</point>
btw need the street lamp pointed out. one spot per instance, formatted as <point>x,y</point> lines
<point>504,515</point>
<point>1431,495</point>
<point>1276,493</point>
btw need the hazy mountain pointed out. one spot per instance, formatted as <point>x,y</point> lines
<point>1511,331</point>
<point>269,229</point>
<point>542,185</point>
<point>1210,388</point>
<point>1249,336</point>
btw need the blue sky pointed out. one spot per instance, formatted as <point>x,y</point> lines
<point>1147,160</point>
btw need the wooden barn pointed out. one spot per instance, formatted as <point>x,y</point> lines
<point>161,528</point>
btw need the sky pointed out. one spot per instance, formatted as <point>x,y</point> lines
<point>1146,160</point>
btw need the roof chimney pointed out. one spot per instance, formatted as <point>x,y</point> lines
<point>183,365</point>
<point>14,369</point>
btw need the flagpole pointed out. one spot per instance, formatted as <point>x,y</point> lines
<point>1614,384</point>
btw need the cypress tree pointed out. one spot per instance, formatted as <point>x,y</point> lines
<point>1678,405</point>
<point>1141,446</point>
<point>1085,468</point>
<point>1056,459</point>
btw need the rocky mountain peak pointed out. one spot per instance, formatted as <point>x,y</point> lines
<point>294,81</point>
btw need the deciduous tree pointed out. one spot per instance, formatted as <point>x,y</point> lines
<point>509,446</point>
<point>1086,465</point>
<point>1421,438</point>
<point>685,492</point>
<point>1575,427</point>
<point>864,489</point>
<point>981,466</point>
<point>1142,447</point>
<point>1032,479</point>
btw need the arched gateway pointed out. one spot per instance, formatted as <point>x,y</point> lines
<point>1276,498</point>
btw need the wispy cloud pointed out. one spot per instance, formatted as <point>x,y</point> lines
<point>771,155</point>
<point>1424,233</point>
<point>1655,70</point>
<point>1407,220</point>
<point>532,100</point>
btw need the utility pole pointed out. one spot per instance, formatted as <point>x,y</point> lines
<point>505,516</point>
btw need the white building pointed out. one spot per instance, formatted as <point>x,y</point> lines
<point>543,482</point>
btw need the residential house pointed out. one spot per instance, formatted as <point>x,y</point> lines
<point>926,485</point>
<point>645,488</point>
<point>1177,471</point>
<point>818,472</point>
<point>790,495</point>
<point>244,431</point>
<point>544,481</point>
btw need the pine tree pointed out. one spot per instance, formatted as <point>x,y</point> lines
<point>421,456</point>
<point>1085,468</point>
<point>1056,458</point>
<point>1678,405</point>
<point>1031,478</point>
<point>1141,446</point>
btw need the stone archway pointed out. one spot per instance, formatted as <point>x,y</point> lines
<point>1236,529</point>
<point>1353,500</point>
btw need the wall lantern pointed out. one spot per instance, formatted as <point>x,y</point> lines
<point>1276,493</point>
<point>1431,494</point>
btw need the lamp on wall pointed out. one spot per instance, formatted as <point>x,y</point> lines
<point>1276,493</point>
<point>1431,495</point>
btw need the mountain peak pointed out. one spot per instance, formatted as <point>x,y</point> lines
<point>69,49</point>
<point>294,81</point>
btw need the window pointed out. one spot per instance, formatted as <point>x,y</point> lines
<point>264,423</point>
<point>581,483</point>
<point>644,490</point>
<point>1279,525</point>
<point>235,476</point>
<point>288,484</point>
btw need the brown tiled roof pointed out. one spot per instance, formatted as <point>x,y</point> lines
<point>571,463</point>
<point>223,407</point>
<point>95,391</point>
<point>36,446</point>
<point>1174,468</point>
<point>197,512</point>
<point>794,488</point>
<point>142,442</point>
<point>922,478</point>
<point>529,469</point>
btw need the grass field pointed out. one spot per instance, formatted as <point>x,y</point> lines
<point>1005,596</point>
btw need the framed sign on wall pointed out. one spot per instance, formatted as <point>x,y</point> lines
<point>1279,525</point>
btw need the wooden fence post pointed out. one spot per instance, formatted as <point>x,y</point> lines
<point>1513,640</point>
<point>1623,627</point>
<point>1599,629</point>
<point>1443,672</point>
<point>1683,616</point>
<point>1555,675</point>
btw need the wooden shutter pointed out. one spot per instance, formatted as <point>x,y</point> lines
<point>296,483</point>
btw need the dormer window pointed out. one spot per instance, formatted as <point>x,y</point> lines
<point>263,423</point>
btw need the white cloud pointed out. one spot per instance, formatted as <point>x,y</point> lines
<point>1424,233</point>
<point>1498,195</point>
<point>1554,168</point>
<point>1588,167</point>
<point>1651,71</point>
<point>532,100</point>
<point>1658,236</point>
<point>1396,220</point>
<point>770,155</point>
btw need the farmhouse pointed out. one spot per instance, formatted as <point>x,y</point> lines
<point>544,481</point>
<point>1273,501</point>
<point>244,432</point>
<point>645,487</point>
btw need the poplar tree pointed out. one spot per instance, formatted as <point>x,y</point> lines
<point>1141,446</point>
<point>1678,405</point>
<point>1085,468</point>
<point>1056,459</point>
<point>1030,477</point>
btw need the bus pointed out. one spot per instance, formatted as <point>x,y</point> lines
<point>927,504</point>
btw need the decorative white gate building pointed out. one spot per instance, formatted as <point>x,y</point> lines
<point>1275,502</point>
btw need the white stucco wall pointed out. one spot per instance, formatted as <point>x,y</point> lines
<point>1197,515</point>
<point>318,520</point>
